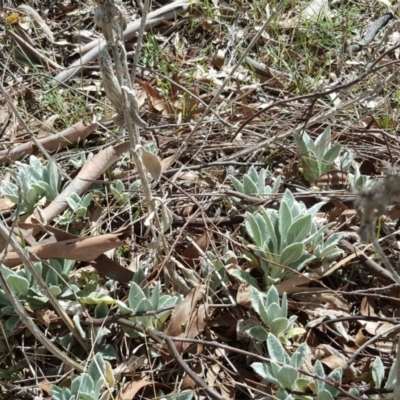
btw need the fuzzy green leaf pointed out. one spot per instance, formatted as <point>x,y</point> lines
<point>287,376</point>
<point>292,253</point>
<point>18,284</point>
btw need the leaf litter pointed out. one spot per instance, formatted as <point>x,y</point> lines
<point>296,78</point>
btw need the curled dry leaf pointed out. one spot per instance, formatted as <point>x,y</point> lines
<point>130,389</point>
<point>47,126</point>
<point>190,257</point>
<point>187,320</point>
<point>167,162</point>
<point>151,162</point>
<point>243,296</point>
<point>155,98</point>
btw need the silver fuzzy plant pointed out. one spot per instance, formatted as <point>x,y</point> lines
<point>111,18</point>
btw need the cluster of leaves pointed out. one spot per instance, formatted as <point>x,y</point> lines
<point>55,274</point>
<point>36,184</point>
<point>284,373</point>
<point>87,385</point>
<point>273,316</point>
<point>281,239</point>
<point>141,301</point>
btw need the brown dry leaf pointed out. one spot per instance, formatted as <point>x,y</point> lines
<point>334,179</point>
<point>81,249</point>
<point>190,257</point>
<point>103,264</point>
<point>187,320</point>
<point>112,269</point>
<point>47,126</point>
<point>152,163</point>
<point>73,134</point>
<point>130,389</point>
<point>45,387</point>
<point>156,100</point>
<point>243,296</point>
<point>360,337</point>
<point>294,284</point>
<point>224,325</point>
<point>188,382</point>
<point>219,59</point>
<point>47,316</point>
<point>367,307</point>
<point>337,212</point>
<point>6,204</point>
<point>188,176</point>
<point>4,117</point>
<point>212,374</point>
<point>167,162</point>
<point>376,328</point>
<point>394,212</point>
<point>334,361</point>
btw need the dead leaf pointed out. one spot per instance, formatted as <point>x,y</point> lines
<point>219,59</point>
<point>47,126</point>
<point>156,100</point>
<point>151,162</point>
<point>6,204</point>
<point>92,169</point>
<point>190,256</point>
<point>130,389</point>
<point>317,9</point>
<point>73,134</point>
<point>167,162</point>
<point>187,319</point>
<point>81,249</point>
<point>243,296</point>
<point>334,179</point>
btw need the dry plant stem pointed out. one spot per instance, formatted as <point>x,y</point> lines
<point>370,70</point>
<point>171,345</point>
<point>371,264</point>
<point>227,79</point>
<point>113,35</point>
<point>396,388</point>
<point>392,330</point>
<point>116,319</point>
<point>370,94</point>
<point>91,170</point>
<point>46,62</point>
<point>385,260</point>
<point>32,136</point>
<point>139,41</point>
<point>20,310</point>
<point>322,117</point>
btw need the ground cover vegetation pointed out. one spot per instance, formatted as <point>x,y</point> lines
<point>198,199</point>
